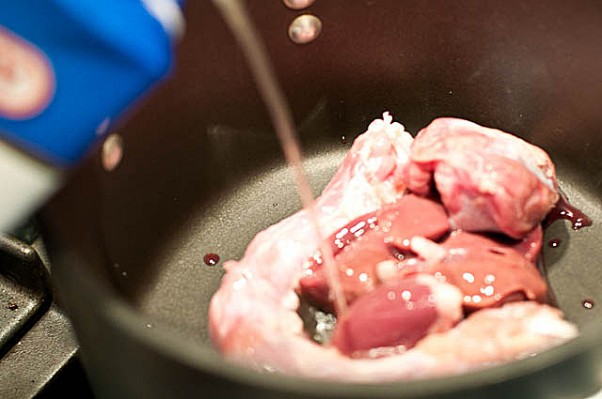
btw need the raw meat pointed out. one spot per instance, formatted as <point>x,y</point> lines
<point>253,316</point>
<point>514,331</point>
<point>488,272</point>
<point>257,300</point>
<point>398,314</point>
<point>488,180</point>
<point>362,244</point>
<point>364,248</point>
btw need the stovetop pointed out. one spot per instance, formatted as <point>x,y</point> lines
<point>38,350</point>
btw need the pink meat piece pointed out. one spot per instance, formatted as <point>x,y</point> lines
<point>253,318</point>
<point>488,272</point>
<point>487,338</point>
<point>256,300</point>
<point>530,245</point>
<point>488,180</point>
<point>497,335</point>
<point>396,315</point>
<point>362,244</point>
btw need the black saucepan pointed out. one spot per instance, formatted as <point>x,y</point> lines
<point>203,173</point>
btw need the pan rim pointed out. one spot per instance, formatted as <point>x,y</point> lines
<point>170,343</point>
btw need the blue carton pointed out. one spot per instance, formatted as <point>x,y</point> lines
<point>70,67</point>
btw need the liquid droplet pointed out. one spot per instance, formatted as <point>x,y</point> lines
<point>305,29</point>
<point>124,274</point>
<point>298,4</point>
<point>564,210</point>
<point>149,325</point>
<point>211,259</point>
<point>343,139</point>
<point>13,306</point>
<point>554,243</point>
<point>587,303</point>
<point>112,152</point>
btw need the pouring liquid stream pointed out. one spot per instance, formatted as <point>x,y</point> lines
<point>239,22</point>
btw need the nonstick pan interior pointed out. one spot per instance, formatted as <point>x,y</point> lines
<point>224,226</point>
<point>203,173</point>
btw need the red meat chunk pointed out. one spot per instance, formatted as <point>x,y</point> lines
<point>397,315</point>
<point>488,180</point>
<point>363,243</point>
<point>488,272</point>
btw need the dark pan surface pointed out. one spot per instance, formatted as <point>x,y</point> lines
<point>224,227</point>
<point>183,288</point>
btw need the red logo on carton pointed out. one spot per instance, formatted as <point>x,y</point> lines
<point>26,78</point>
